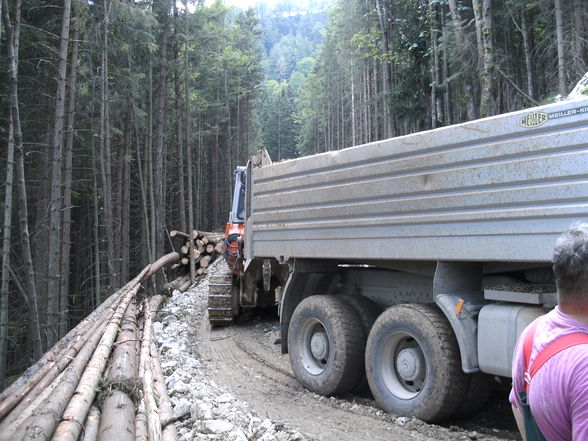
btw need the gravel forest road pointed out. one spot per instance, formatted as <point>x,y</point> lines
<point>232,383</point>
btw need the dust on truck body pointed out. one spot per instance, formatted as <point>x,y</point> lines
<point>417,261</point>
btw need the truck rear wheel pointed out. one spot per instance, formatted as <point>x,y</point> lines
<point>368,312</point>
<point>478,391</point>
<point>413,364</point>
<point>326,344</point>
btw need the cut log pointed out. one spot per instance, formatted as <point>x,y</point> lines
<point>118,409</point>
<point>184,286</point>
<point>205,261</point>
<point>50,377</point>
<point>43,421</point>
<point>210,248</point>
<point>21,387</point>
<point>195,254</point>
<point>185,250</point>
<point>213,238</point>
<point>77,410</point>
<point>166,411</point>
<point>153,420</point>
<point>168,259</point>
<point>218,248</point>
<point>14,420</point>
<point>91,425</point>
<point>176,233</point>
<point>200,271</point>
<point>185,260</point>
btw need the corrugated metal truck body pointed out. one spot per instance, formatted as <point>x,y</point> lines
<point>496,189</point>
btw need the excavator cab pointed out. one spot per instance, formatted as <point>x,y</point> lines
<point>235,228</point>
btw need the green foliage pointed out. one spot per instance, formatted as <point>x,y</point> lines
<point>279,129</point>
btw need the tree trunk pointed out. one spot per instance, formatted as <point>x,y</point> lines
<point>158,171</point>
<point>188,141</point>
<point>487,99</point>
<point>12,34</point>
<point>580,37</point>
<point>53,283</point>
<point>125,221</point>
<point>386,78</point>
<point>67,181</point>
<point>527,37</point>
<point>179,138</point>
<point>561,62</point>
<point>6,242</point>
<point>461,40</point>
<point>106,166</point>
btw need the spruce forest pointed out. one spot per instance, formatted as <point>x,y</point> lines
<point>121,120</point>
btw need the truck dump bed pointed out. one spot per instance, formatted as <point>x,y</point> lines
<point>496,189</point>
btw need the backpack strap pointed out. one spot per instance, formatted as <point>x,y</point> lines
<point>553,348</point>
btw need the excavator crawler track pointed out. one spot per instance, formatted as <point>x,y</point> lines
<point>220,299</point>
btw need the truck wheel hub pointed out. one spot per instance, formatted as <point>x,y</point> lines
<point>410,364</point>
<point>319,345</point>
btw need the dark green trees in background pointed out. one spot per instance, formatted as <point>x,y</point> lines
<point>392,67</point>
<point>132,115</point>
<point>279,130</point>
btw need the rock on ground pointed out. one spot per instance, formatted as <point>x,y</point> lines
<point>206,411</point>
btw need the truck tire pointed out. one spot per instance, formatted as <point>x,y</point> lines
<point>368,312</point>
<point>478,391</point>
<point>326,345</point>
<point>413,363</point>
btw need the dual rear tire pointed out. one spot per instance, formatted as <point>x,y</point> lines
<point>410,354</point>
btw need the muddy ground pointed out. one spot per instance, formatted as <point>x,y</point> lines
<point>233,384</point>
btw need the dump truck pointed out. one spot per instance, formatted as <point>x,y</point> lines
<point>409,265</point>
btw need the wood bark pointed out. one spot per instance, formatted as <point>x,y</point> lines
<point>178,132</point>
<point>118,409</point>
<point>158,172</point>
<point>460,38</point>
<point>526,32</point>
<point>188,142</point>
<point>153,419</point>
<point>67,179</point>
<point>105,150</point>
<point>53,270</point>
<point>91,425</point>
<point>169,432</point>
<point>580,37</point>
<point>487,99</point>
<point>7,230</point>
<point>77,409</point>
<point>12,32</point>
<point>561,55</point>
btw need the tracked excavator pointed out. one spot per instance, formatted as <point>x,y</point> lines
<point>242,287</point>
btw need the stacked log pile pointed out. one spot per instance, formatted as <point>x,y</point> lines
<point>102,381</point>
<point>197,250</point>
